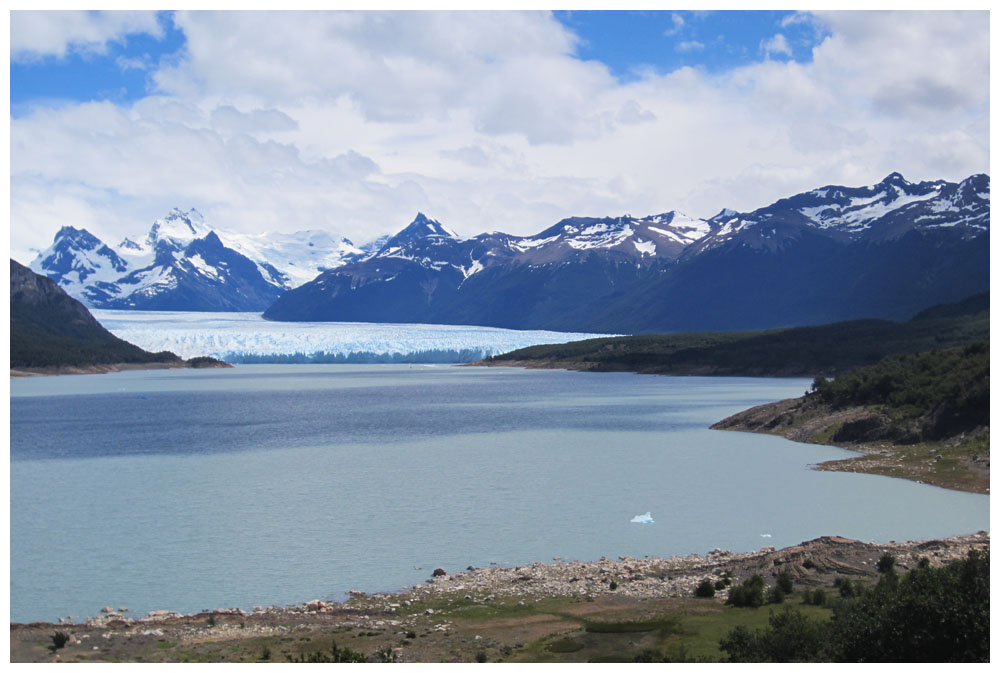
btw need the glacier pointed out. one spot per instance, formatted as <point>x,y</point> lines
<point>246,338</point>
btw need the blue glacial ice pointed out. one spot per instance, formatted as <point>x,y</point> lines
<point>246,338</point>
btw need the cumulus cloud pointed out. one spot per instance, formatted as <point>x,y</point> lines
<point>228,118</point>
<point>35,34</point>
<point>352,122</point>
<point>777,45</point>
<point>678,22</point>
<point>470,155</point>
<point>692,45</point>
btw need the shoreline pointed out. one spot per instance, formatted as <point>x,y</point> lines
<point>73,370</point>
<point>774,418</point>
<point>441,608</point>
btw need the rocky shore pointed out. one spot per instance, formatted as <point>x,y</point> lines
<point>437,609</point>
<point>194,363</point>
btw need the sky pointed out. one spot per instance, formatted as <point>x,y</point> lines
<point>352,122</point>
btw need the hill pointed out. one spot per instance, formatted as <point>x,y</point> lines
<point>922,416</point>
<point>50,330</point>
<point>799,351</point>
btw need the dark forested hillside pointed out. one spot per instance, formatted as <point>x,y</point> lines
<point>800,351</point>
<point>48,328</point>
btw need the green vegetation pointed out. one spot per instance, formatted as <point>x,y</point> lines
<point>59,640</point>
<point>661,624</point>
<point>706,589</point>
<point>565,646</point>
<point>799,351</point>
<point>930,615</point>
<point>942,392</point>
<point>49,328</point>
<point>749,594</point>
<point>337,655</point>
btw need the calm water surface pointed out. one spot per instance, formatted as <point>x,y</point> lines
<point>277,484</point>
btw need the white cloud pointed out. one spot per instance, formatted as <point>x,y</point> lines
<point>678,22</point>
<point>487,121</point>
<point>692,45</point>
<point>777,45</point>
<point>36,34</point>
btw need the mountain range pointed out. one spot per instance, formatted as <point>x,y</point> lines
<point>829,254</point>
<point>183,265</point>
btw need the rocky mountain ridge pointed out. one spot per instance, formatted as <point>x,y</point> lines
<point>830,254</point>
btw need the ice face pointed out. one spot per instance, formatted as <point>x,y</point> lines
<point>247,338</point>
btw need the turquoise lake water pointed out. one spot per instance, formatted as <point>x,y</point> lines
<point>190,490</point>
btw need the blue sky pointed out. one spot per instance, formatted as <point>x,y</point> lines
<point>119,74</point>
<point>351,122</point>
<point>629,43</point>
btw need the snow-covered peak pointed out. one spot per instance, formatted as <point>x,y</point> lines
<point>424,226</point>
<point>178,226</point>
<point>885,210</point>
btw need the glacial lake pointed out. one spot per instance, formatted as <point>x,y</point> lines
<point>190,490</point>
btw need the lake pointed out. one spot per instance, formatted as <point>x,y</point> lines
<point>190,490</point>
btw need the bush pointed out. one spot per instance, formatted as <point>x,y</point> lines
<point>817,597</point>
<point>720,585</point>
<point>886,563</point>
<point>338,655</point>
<point>785,582</point>
<point>481,657</point>
<point>59,640</point>
<point>705,590</point>
<point>749,594</point>
<point>847,588</point>
<point>808,564</point>
<point>775,594</point>
<point>790,637</point>
<point>930,615</point>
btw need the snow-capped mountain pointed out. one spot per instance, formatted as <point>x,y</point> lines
<point>183,264</point>
<point>833,253</point>
<point>881,212</point>
<point>426,273</point>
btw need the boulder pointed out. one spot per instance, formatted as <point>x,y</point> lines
<point>439,572</point>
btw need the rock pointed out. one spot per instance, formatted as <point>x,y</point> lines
<point>429,611</point>
<point>315,605</point>
<point>107,609</point>
<point>439,572</point>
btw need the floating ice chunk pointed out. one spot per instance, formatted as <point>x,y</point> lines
<point>643,518</point>
<point>765,535</point>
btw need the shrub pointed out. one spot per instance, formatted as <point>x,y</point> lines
<point>775,594</point>
<point>481,657</point>
<point>749,594</point>
<point>613,585</point>
<point>930,615</point>
<point>705,590</point>
<point>789,637</point>
<point>817,597</point>
<point>59,640</point>
<point>785,581</point>
<point>720,585</point>
<point>886,563</point>
<point>808,564</point>
<point>338,655</point>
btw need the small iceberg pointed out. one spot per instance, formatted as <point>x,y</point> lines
<point>765,535</point>
<point>643,518</point>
